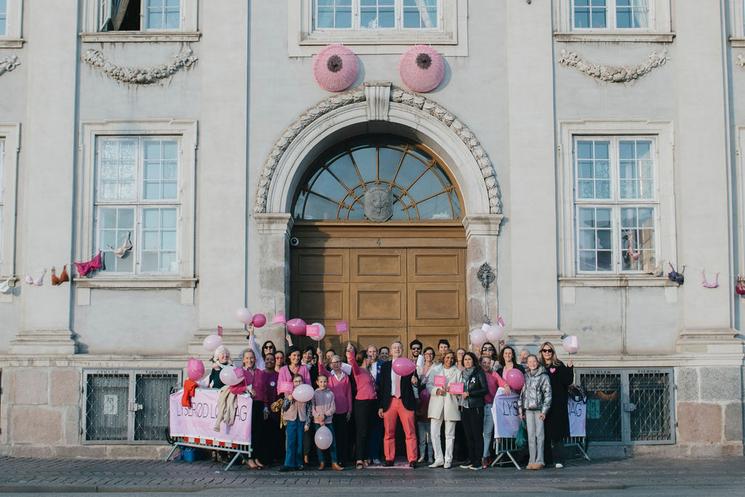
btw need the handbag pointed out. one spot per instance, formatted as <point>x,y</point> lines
<point>521,439</point>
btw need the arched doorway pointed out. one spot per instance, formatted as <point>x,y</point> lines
<point>378,241</point>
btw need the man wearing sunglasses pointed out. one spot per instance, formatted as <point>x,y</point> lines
<point>416,353</point>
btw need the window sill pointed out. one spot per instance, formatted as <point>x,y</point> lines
<point>110,282</point>
<point>378,43</point>
<point>614,37</point>
<point>140,37</point>
<point>615,281</point>
<point>12,42</point>
<point>737,41</point>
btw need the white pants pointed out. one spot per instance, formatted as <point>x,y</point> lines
<point>435,425</point>
<point>535,436</point>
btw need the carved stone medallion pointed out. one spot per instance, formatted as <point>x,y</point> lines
<point>378,203</point>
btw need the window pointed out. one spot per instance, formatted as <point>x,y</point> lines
<point>126,406</point>
<point>375,14</point>
<point>604,14</point>
<point>137,200</point>
<point>377,26</point>
<point>402,180</point>
<point>135,15</point>
<point>616,204</point>
<point>3,17</point>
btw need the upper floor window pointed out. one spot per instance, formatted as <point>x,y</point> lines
<point>139,15</point>
<point>616,205</point>
<point>137,201</point>
<point>614,14</point>
<point>3,17</point>
<point>376,14</point>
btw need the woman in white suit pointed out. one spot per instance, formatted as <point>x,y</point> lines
<point>443,406</point>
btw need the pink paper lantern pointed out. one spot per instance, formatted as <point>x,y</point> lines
<point>335,68</point>
<point>296,326</point>
<point>422,68</point>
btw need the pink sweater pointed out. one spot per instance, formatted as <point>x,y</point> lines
<point>363,378</point>
<point>324,405</point>
<point>285,375</point>
<point>342,389</point>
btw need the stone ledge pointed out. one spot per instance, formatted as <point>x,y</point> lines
<point>12,43</point>
<point>139,37</point>
<point>614,37</point>
<point>134,283</point>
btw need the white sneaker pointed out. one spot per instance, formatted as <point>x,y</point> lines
<point>420,460</point>
<point>437,464</point>
<point>558,465</point>
<point>465,466</point>
<point>448,465</point>
<point>476,468</point>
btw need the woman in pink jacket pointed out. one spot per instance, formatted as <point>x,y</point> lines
<point>365,402</point>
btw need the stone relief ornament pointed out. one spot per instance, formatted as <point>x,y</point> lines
<point>378,203</point>
<point>740,61</point>
<point>136,75</point>
<point>9,63</point>
<point>397,95</point>
<point>613,74</point>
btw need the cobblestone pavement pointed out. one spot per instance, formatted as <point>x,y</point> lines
<point>630,477</point>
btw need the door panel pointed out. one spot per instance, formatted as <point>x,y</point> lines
<point>430,335</point>
<point>378,265</point>
<point>322,302</point>
<point>378,304</point>
<point>434,265</point>
<point>377,336</point>
<point>320,265</point>
<point>436,304</point>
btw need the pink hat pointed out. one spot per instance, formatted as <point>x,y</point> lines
<point>422,68</point>
<point>335,68</point>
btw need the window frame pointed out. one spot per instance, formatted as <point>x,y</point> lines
<point>187,32</point>
<point>132,374</point>
<point>139,205</point>
<point>398,14</point>
<point>10,136</point>
<point>450,36</point>
<point>86,244</point>
<point>13,36</point>
<point>659,28</point>
<point>615,203</point>
<point>665,219</point>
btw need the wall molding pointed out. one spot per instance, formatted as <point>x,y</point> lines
<point>613,74</point>
<point>9,63</point>
<point>139,76</point>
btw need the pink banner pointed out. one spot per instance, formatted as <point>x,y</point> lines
<point>342,327</point>
<point>456,388</point>
<point>199,420</point>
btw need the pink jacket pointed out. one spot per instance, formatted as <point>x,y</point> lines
<point>285,375</point>
<point>342,389</point>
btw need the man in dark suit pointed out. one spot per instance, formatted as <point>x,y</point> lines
<point>397,401</point>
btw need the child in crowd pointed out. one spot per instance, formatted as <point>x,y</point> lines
<point>535,401</point>
<point>324,408</point>
<point>297,416</point>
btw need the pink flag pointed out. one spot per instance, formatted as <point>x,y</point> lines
<point>219,330</point>
<point>440,380</point>
<point>342,327</point>
<point>455,388</point>
<point>312,330</point>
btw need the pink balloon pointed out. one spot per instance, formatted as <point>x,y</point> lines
<point>303,393</point>
<point>494,333</point>
<point>403,366</point>
<point>515,379</point>
<point>323,438</point>
<point>315,331</point>
<point>230,376</point>
<point>244,315</point>
<point>259,320</point>
<point>571,344</point>
<point>211,342</point>
<point>194,369</point>
<point>296,326</point>
<point>478,337</point>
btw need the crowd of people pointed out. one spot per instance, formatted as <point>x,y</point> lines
<point>361,399</point>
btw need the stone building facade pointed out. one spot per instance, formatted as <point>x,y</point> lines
<point>581,149</point>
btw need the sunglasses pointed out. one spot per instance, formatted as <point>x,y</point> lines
<point>268,347</point>
<point>547,351</point>
<point>488,348</point>
<point>416,348</point>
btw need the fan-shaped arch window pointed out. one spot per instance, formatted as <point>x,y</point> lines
<point>378,180</point>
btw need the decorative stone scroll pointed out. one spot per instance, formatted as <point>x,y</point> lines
<point>613,74</point>
<point>740,61</point>
<point>397,95</point>
<point>136,75</point>
<point>9,63</point>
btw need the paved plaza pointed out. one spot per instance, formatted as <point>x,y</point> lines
<point>627,477</point>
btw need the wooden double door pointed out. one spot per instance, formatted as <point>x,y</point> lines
<point>390,287</point>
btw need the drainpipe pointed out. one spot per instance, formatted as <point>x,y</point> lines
<point>248,215</point>
<point>75,208</point>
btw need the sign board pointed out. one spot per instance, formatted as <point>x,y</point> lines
<point>199,420</point>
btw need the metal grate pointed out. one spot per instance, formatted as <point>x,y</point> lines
<point>106,407</point>
<point>127,405</point>
<point>603,405</point>
<point>650,406</point>
<point>151,416</point>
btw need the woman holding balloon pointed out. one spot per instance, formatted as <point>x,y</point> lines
<point>557,419</point>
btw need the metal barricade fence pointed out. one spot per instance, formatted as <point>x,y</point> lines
<point>508,447</point>
<point>204,443</point>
